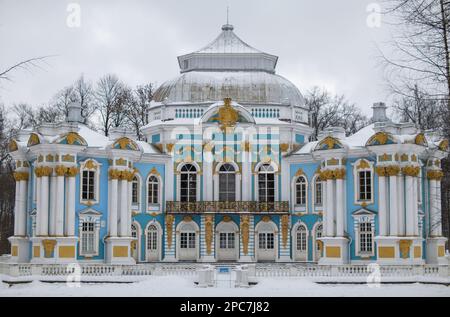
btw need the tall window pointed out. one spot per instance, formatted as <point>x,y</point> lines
<point>365,237</point>
<point>226,240</point>
<point>88,239</point>
<point>227,183</point>
<point>266,183</point>
<point>266,241</point>
<point>318,192</point>
<point>187,240</point>
<point>301,238</point>
<point>152,237</point>
<point>188,183</point>
<point>365,185</point>
<point>133,231</point>
<point>135,191</point>
<point>88,185</point>
<point>153,190</point>
<point>300,191</point>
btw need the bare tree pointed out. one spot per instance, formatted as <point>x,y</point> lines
<point>24,65</point>
<point>333,111</point>
<point>111,97</point>
<point>138,106</point>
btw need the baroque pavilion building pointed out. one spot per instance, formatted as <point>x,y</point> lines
<point>228,173</point>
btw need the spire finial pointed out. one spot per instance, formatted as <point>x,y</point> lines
<point>228,13</point>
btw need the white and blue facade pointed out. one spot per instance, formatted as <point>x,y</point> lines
<point>228,174</point>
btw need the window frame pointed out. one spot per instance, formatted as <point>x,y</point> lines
<point>89,216</point>
<point>152,206</point>
<point>363,165</point>
<point>95,167</point>
<point>367,217</point>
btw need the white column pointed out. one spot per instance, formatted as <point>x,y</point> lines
<point>340,215</point>
<point>409,205</point>
<point>246,175</point>
<point>415,215</point>
<point>285,183</point>
<point>438,204</point>
<point>238,186</point>
<point>123,208</point>
<point>22,227</point>
<point>17,209</point>
<point>38,205</point>
<point>112,223</point>
<point>401,205</point>
<point>325,209</point>
<point>382,204</point>
<point>43,214</point>
<point>168,180</point>
<point>52,213</point>
<point>207,176</point>
<point>59,220</point>
<point>216,187</point>
<point>330,208</point>
<point>70,206</point>
<point>393,205</point>
<point>129,215</point>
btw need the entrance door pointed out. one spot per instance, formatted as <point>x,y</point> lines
<point>301,242</point>
<point>152,244</point>
<point>187,243</point>
<point>266,246</point>
<point>227,247</point>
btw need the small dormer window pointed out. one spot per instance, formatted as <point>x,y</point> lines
<point>185,64</point>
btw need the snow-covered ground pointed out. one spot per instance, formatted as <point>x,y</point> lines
<point>171,286</point>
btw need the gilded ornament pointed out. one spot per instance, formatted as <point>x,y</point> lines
<point>443,145</point>
<point>411,171</point>
<point>60,170</point>
<point>385,157</point>
<point>33,140</point>
<point>435,175</point>
<point>121,162</point>
<point>40,158</point>
<point>21,176</point>
<point>90,164</point>
<point>266,218</point>
<point>169,229</point>
<point>227,115</point>
<point>284,229</point>
<point>405,246</point>
<point>245,146</point>
<point>187,218</point>
<point>49,246</point>
<point>245,228</point>
<point>68,158</point>
<point>226,219</point>
<point>13,146</point>
<point>284,147</point>
<point>332,162</point>
<point>300,172</point>
<point>414,158</point>
<point>169,147</point>
<point>72,171</point>
<point>420,139</point>
<point>380,138</point>
<point>404,158</point>
<point>363,164</point>
<point>209,225</point>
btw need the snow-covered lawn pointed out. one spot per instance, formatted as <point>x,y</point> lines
<point>171,286</point>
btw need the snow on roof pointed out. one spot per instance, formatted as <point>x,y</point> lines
<point>93,138</point>
<point>228,42</point>
<point>360,138</point>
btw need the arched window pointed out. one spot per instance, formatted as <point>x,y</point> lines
<point>188,183</point>
<point>301,238</point>
<point>153,190</point>
<point>266,183</point>
<point>318,192</point>
<point>152,238</point>
<point>300,191</point>
<point>227,183</point>
<point>135,191</point>
<point>133,231</point>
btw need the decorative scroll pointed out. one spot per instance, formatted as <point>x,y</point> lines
<point>209,227</point>
<point>169,229</point>
<point>284,229</point>
<point>245,228</point>
<point>332,174</point>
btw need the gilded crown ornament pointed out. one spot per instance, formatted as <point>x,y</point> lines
<point>227,116</point>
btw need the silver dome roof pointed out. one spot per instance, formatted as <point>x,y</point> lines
<point>229,67</point>
<point>243,87</point>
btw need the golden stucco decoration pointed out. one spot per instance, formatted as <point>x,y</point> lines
<point>227,115</point>
<point>405,246</point>
<point>90,164</point>
<point>169,229</point>
<point>284,229</point>
<point>413,171</point>
<point>245,228</point>
<point>435,175</point>
<point>363,164</point>
<point>21,176</point>
<point>13,146</point>
<point>420,139</point>
<point>33,140</point>
<point>209,228</point>
<point>443,145</point>
<point>49,246</point>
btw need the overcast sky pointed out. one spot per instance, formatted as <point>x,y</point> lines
<point>326,43</point>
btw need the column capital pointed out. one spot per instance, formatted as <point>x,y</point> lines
<point>411,170</point>
<point>331,174</point>
<point>435,175</point>
<point>21,176</point>
<point>72,171</point>
<point>387,170</point>
<point>43,171</point>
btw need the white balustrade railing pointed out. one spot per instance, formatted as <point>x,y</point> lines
<point>254,270</point>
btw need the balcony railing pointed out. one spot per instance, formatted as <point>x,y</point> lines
<point>179,207</point>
